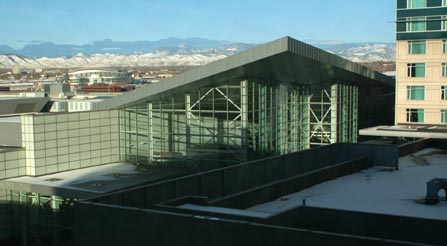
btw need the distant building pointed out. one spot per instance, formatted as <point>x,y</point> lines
<point>22,104</point>
<point>75,105</point>
<point>16,70</point>
<point>421,72</point>
<point>100,77</point>
<point>59,90</point>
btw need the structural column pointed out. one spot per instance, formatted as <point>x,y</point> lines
<point>188,123</point>
<point>150,139</point>
<point>244,120</point>
<point>334,113</point>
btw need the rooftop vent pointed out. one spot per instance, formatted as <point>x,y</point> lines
<point>53,180</point>
<point>117,175</point>
<point>95,184</point>
<point>433,187</point>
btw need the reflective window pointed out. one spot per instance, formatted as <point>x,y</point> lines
<point>415,115</point>
<point>444,69</point>
<point>416,47</point>
<point>415,4</point>
<point>444,45</point>
<point>444,116</point>
<point>444,23</point>
<point>416,70</point>
<point>443,92</point>
<point>416,24</point>
<point>415,92</point>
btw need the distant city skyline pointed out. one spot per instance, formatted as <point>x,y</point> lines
<point>250,21</point>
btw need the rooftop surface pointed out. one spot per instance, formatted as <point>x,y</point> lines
<point>376,190</point>
<point>11,119</point>
<point>99,179</point>
<point>406,131</point>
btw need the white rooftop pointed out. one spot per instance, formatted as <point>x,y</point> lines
<point>437,132</point>
<point>11,119</point>
<point>376,190</point>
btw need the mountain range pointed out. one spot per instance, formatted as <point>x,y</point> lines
<point>164,52</point>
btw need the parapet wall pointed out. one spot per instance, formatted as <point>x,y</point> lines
<point>62,142</point>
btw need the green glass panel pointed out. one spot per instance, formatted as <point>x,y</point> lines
<point>401,4</point>
<point>418,93</point>
<point>420,116</point>
<point>419,70</point>
<point>444,116</point>
<point>416,47</point>
<point>417,24</point>
<point>434,3</point>
<point>417,4</point>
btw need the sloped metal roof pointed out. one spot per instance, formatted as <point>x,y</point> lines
<point>285,59</point>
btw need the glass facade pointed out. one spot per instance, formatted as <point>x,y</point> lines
<point>42,219</point>
<point>415,92</point>
<point>237,121</point>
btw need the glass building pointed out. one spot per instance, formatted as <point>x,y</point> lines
<point>277,98</point>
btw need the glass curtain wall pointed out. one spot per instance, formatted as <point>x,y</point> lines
<point>236,121</point>
<point>334,114</point>
<point>42,219</point>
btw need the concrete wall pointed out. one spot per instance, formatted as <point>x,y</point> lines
<point>272,191</point>
<point>418,230</point>
<point>61,142</point>
<point>113,225</point>
<point>22,105</point>
<point>10,134</point>
<point>12,163</point>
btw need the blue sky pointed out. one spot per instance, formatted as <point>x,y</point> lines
<point>252,21</point>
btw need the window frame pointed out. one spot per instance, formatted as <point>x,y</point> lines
<point>411,21</point>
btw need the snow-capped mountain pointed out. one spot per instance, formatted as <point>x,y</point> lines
<point>167,52</point>
<point>365,52</point>
<point>108,60</point>
<point>181,55</point>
